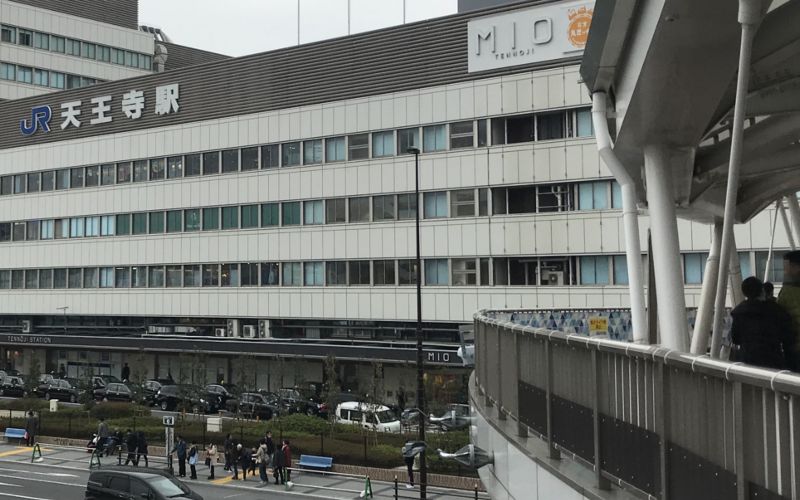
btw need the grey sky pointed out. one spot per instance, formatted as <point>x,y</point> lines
<point>239,27</point>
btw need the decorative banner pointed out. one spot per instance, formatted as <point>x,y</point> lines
<point>598,325</point>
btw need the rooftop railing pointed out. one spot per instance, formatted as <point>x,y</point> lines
<point>661,423</point>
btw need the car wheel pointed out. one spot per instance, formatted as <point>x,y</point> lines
<point>47,396</point>
<point>164,405</point>
<point>73,398</point>
<point>310,411</point>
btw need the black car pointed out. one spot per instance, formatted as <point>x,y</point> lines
<point>254,404</point>
<point>151,388</point>
<point>61,389</point>
<point>99,381</point>
<point>114,392</point>
<point>217,395</point>
<point>123,482</point>
<point>293,401</point>
<point>13,386</point>
<point>183,397</point>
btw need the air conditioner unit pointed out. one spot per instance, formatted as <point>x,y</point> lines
<point>263,329</point>
<point>233,328</point>
<point>219,332</point>
<point>27,326</point>
<point>249,331</point>
<point>553,278</point>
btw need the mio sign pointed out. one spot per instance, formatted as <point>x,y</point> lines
<point>526,36</point>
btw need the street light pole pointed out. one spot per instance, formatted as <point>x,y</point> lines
<point>423,471</point>
<point>64,309</point>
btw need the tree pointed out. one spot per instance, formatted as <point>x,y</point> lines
<point>34,371</point>
<point>375,395</point>
<point>331,388</point>
<point>138,376</point>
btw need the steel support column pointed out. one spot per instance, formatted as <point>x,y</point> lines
<point>705,311</point>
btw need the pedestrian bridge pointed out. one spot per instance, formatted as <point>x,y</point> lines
<point>598,418</point>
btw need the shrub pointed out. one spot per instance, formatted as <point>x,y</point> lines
<point>117,410</point>
<point>25,404</point>
<point>298,423</point>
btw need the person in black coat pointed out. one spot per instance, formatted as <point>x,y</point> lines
<point>761,329</point>
<point>141,446</point>
<point>131,442</point>
<point>278,466</point>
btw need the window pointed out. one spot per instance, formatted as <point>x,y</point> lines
<point>174,221</point>
<point>156,276</point>
<point>335,210</point>
<point>552,198</point>
<point>73,81</point>
<point>594,270</point>
<point>230,217</point>
<point>434,138</point>
<point>270,156</point>
<point>230,161</point>
<point>48,180</point>
<point>90,277</point>
<point>140,171</point>
<point>249,159</point>
<point>34,182</point>
<point>516,271</point>
<point>249,216</point>
<point>73,47</point>
<point>775,273</point>
<point>358,147</point>
<point>191,165</point>
<point>461,135</point>
<point>270,214</point>
<point>5,231</point>
<point>47,229</point>
<point>593,195</point>
<point>407,138</point>
<point>156,222</point>
<point>8,71</point>
<point>210,275</point>
<point>191,220</point>
<point>61,230</point>
<point>76,226</point>
<point>17,279</point>
<point>383,144</point>
<point>157,168</point>
<point>484,271</point>
<point>406,206</point>
<point>123,172</point>
<point>18,231</point>
<point>462,203</point>
<point>57,80</point>
<point>25,37</point>
<point>744,264</point>
<point>383,207</point>
<point>32,230</point>
<point>107,174</point>
<point>123,224</point>
<point>5,279</point>
<point>76,178</point>
<point>291,213</point>
<point>41,77</point>
<point>435,205</point>
<point>31,279</point>
<point>20,183</point>
<point>174,277</point>
<point>334,149</point>
<point>290,154</point>
<point>45,278</point>
<point>482,135</point>
<point>6,185</point>
<point>8,34</point>
<point>229,275</point>
<point>107,225</point>
<point>616,195</point>
<point>312,212</point>
<point>483,201</point>
<point>436,272</point>
<point>583,123</point>
<point>106,277</point>
<point>620,270</point>
<point>93,176</point>
<point>210,219</point>
<point>336,273</point>
<point>139,223</point>
<point>270,274</point>
<point>249,274</point>
<point>88,50</point>
<point>59,278</point>
<point>406,272</point>
<point>312,152</point>
<point>24,74</point>
<point>75,279</point>
<point>694,265</point>
<point>383,272</point>
<point>291,274</point>
<point>174,167</point>
<point>103,53</point>
<point>122,277</point>
<point>359,209</point>
<point>117,56</point>
<point>138,277</point>
<point>57,43</point>
<point>211,163</point>
<point>359,272</point>
<point>313,274</point>
<point>550,126</point>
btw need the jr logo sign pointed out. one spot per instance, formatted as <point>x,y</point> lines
<point>40,118</point>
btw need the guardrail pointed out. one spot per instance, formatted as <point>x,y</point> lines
<point>671,425</point>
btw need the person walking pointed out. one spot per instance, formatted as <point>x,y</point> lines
<point>132,443</point>
<point>102,436</point>
<point>410,468</point>
<point>126,373</point>
<point>211,459</point>
<point>244,459</point>
<point>141,448</point>
<point>287,459</point>
<point>278,465</point>
<point>180,450</point>
<point>270,448</point>
<point>31,429</point>
<point>761,329</point>
<point>262,457</point>
<point>227,449</point>
<point>193,462</point>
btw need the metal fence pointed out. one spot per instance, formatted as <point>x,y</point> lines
<point>671,425</point>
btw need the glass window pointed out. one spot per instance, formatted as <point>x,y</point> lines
<point>157,168</point>
<point>73,81</point>
<point>174,167</point>
<point>76,227</point>
<point>775,273</point>
<point>616,195</point>
<point>76,178</point>
<point>694,265</point>
<point>24,74</point>
<point>270,214</point>
<point>620,270</point>
<point>47,229</point>
<point>106,277</point>
<point>334,149</point>
<point>291,213</point>
<point>593,195</point>
<point>174,277</point>
<point>383,144</point>
<point>313,274</point>
<point>48,180</point>
<point>57,43</point>
<point>406,206</point>
<point>8,34</point>
<point>229,275</point>
<point>359,209</point>
<point>156,222</point>
<point>270,274</point>
<point>45,278</point>
<point>406,272</point>
<point>75,278</point>
<point>335,210</point>
<point>6,185</point>
<point>594,270</point>
<point>34,182</point>
<point>90,277</point>
<point>461,135</point>
<point>290,154</point>
<point>312,152</point>
<point>107,225</point>
<point>59,278</point>
<point>57,80</point>
<point>117,56</point>
<point>191,165</point>
<point>292,274</point>
<point>107,174</point>
<point>358,147</point>
<point>249,216</point>
<point>336,273</point>
<point>210,274</point>
<point>122,277</point>
<point>18,231</point>
<point>41,77</point>
<point>32,231</point>
<point>25,37</point>
<point>8,71</point>
<point>17,279</point>
<point>249,273</point>
<point>73,47</point>
<point>103,53</point>
<point>61,230</point>
<point>312,212</point>
<point>20,183</point>
<point>211,163</point>
<point>230,217</point>
<point>31,279</point>
<point>550,125</point>
<point>435,205</point>
<point>211,219</point>
<point>550,198</point>
<point>383,272</point>
<point>434,138</point>
<point>482,134</point>
<point>462,203</point>
<point>93,176</point>
<point>174,221</point>
<point>359,272</point>
<point>583,123</point>
<point>249,159</point>
<point>436,272</point>
<point>744,264</point>
<point>484,271</point>
<point>191,219</point>
<point>140,171</point>
<point>407,138</point>
<point>139,277</point>
<point>5,279</point>
<point>92,226</point>
<point>88,50</point>
<point>230,161</point>
<point>5,231</point>
<point>384,207</point>
<point>123,224</point>
<point>139,223</point>
<point>123,172</point>
<point>270,156</point>
<point>156,276</point>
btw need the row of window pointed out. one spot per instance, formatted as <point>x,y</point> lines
<point>387,143</point>
<point>43,77</point>
<point>456,203</point>
<point>73,47</point>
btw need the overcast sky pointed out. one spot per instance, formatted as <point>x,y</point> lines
<point>239,27</point>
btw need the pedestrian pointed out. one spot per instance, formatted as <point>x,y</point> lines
<point>253,453</point>
<point>141,448</point>
<point>180,450</point>
<point>789,298</point>
<point>401,399</point>
<point>234,458</point>
<point>410,468</point>
<point>132,443</point>
<point>769,292</point>
<point>31,429</point>
<point>287,459</point>
<point>227,448</point>
<point>102,436</point>
<point>270,448</point>
<point>262,457</point>
<point>278,465</point>
<point>211,459</point>
<point>242,459</point>
<point>193,462</point>
<point>126,373</point>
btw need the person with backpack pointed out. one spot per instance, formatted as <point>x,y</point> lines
<point>193,462</point>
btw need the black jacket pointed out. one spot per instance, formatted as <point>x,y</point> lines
<point>763,332</point>
<point>132,441</point>
<point>270,446</point>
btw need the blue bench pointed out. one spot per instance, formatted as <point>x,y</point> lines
<point>12,433</point>
<point>315,462</point>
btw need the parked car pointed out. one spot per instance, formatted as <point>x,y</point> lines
<point>124,482</point>
<point>183,397</point>
<point>456,417</point>
<point>254,404</point>
<point>113,392</point>
<point>217,395</point>
<point>103,380</point>
<point>368,416</point>
<point>293,401</point>
<point>13,386</point>
<point>337,399</point>
<point>61,389</point>
<point>150,388</point>
<point>8,373</point>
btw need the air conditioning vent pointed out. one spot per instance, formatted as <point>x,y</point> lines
<point>219,332</point>
<point>27,326</point>
<point>249,331</point>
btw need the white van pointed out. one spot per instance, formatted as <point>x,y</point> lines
<point>368,416</point>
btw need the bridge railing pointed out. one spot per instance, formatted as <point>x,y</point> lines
<point>669,424</point>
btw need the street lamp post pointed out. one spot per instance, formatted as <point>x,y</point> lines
<point>64,309</point>
<point>423,471</point>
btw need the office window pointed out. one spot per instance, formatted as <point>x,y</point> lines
<point>129,59</point>
<point>123,172</point>
<point>20,183</point>
<point>334,149</point>
<point>45,278</point>
<point>336,273</point>
<point>516,271</point>
<point>249,216</point>
<point>290,154</point>
<point>34,182</point>
<point>270,274</point>
<point>335,210</point>
<point>270,214</point>
<point>483,271</point>
<point>744,264</point>
<point>210,274</point>
<point>620,270</point>
<point>90,277</point>
<point>358,271</point>
<point>482,134</point>
<point>25,37</point>
<point>73,81</point>
<point>383,272</point>
<point>48,180</point>
<point>139,277</point>
<point>550,125</point>
<point>249,273</point>
<point>229,275</point>
<point>6,185</point>
<point>191,219</point>
<point>230,217</point>
<point>76,178</point>
<point>5,279</point>
<point>594,270</point>
<point>103,53</point>
<point>407,138</point>
<point>139,223</point>
<point>358,147</point>
<point>383,144</point>
<point>145,61</point>
<point>694,265</point>
<point>291,213</point>
<point>61,230</point>
<point>57,80</point>
<point>359,209</point>
<point>75,278</point>
<point>313,274</point>
<point>17,279</point>
<point>191,276</point>
<point>8,34</point>
<point>156,276</point>
<point>174,221</point>
<point>384,207</point>
<point>88,50</point>
<point>41,77</point>
<point>8,71</point>
<point>292,274</point>
<point>106,277</point>
<point>406,272</point>
<point>583,123</point>
<point>406,206</point>
<point>122,277</point>
<point>593,195</point>
<point>157,168</point>
<point>76,227</point>
<point>156,222</point>
<point>117,56</point>
<point>435,205</point>
<point>461,135</point>
<point>18,231</point>
<point>174,277</point>
<point>775,273</point>
<point>57,43</point>
<point>211,163</point>
<point>270,156</point>
<point>32,230</point>
<point>436,272</point>
<point>249,159</point>
<point>174,167</point>
<point>73,47</point>
<point>59,278</point>
<point>123,224</point>
<point>140,171</point>
<point>47,229</point>
<point>551,198</point>
<point>312,152</point>
<point>462,203</point>
<point>93,176</point>
<point>107,225</point>
<point>31,279</point>
<point>483,201</point>
<point>5,231</point>
<point>434,138</point>
<point>211,219</point>
<point>191,165</point>
<point>107,172</point>
<point>312,212</point>
<point>230,161</point>
<point>24,74</point>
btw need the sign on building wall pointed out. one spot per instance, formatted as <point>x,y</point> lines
<point>526,36</point>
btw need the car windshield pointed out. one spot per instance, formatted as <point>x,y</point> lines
<point>168,487</point>
<point>111,379</point>
<point>386,416</point>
